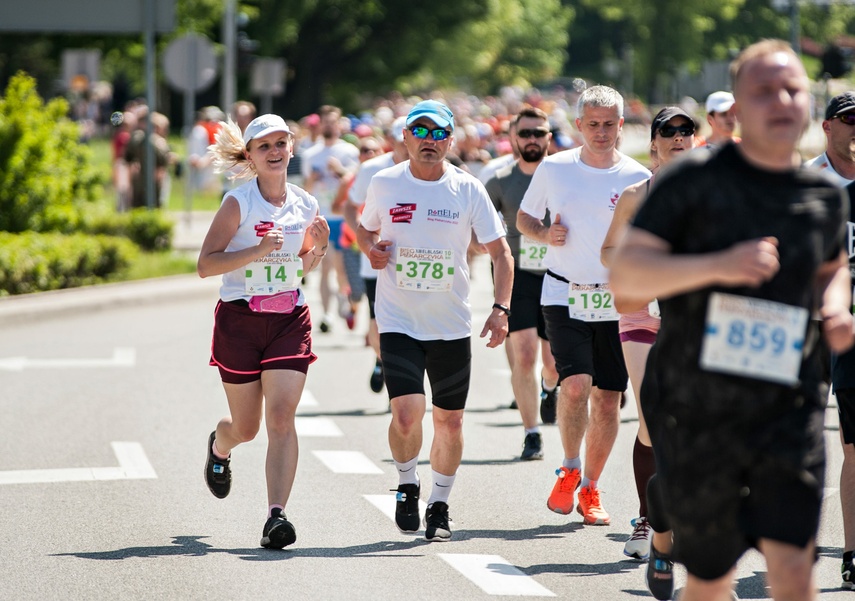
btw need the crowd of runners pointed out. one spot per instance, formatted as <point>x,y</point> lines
<point>715,284</point>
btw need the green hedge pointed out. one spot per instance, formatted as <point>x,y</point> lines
<point>34,262</point>
<point>150,230</point>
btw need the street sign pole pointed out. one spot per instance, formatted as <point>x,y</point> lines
<point>149,17</point>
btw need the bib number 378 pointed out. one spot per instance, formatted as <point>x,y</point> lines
<point>754,338</point>
<point>425,269</point>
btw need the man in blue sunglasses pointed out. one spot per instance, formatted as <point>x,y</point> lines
<point>416,227</point>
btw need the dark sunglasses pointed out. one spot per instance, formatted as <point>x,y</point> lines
<point>846,118</point>
<point>437,135</point>
<point>532,133</point>
<point>669,131</point>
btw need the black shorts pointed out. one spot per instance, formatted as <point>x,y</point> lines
<point>584,347</point>
<point>525,303</point>
<point>371,293</point>
<point>245,342</point>
<point>725,483</point>
<point>846,413</point>
<point>448,364</point>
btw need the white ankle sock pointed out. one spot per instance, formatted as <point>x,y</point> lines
<point>407,473</point>
<point>441,487</point>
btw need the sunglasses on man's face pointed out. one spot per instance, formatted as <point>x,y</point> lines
<point>532,133</point>
<point>669,131</point>
<point>437,135</point>
<point>846,118</point>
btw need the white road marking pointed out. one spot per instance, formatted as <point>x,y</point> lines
<point>133,465</point>
<point>122,357</point>
<point>316,426</point>
<point>347,462</point>
<point>307,400</point>
<point>386,504</point>
<point>495,576</point>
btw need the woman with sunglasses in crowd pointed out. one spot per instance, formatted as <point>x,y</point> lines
<point>672,134</point>
<point>266,236</point>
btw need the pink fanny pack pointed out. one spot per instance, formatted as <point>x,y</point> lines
<point>283,302</point>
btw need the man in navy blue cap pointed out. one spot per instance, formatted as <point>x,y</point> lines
<point>416,227</point>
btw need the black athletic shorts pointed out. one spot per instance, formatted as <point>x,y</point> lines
<point>727,483</point>
<point>448,364</point>
<point>246,342</point>
<point>846,413</point>
<point>525,303</point>
<point>586,347</point>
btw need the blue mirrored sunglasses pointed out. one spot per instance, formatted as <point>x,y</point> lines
<point>421,132</point>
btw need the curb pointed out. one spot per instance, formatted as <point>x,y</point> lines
<point>56,304</point>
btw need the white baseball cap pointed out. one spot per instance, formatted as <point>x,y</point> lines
<point>397,128</point>
<point>263,125</point>
<point>719,102</point>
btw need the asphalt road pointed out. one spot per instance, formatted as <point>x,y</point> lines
<point>107,401</point>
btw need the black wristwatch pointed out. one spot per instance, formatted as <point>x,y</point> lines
<point>502,308</point>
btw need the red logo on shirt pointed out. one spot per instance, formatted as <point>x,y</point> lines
<point>263,227</point>
<point>614,198</point>
<point>403,213</point>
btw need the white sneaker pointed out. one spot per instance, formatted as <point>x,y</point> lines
<point>638,545</point>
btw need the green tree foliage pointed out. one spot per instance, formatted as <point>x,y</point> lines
<point>517,42</point>
<point>45,173</point>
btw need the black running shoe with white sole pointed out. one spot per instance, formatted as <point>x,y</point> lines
<point>660,575</point>
<point>407,508</point>
<point>437,522</point>
<point>278,532</point>
<point>548,405</point>
<point>376,381</point>
<point>847,575</point>
<point>532,447</point>
<point>218,474</point>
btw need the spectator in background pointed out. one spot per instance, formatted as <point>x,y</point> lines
<point>323,165</point>
<point>125,124</point>
<point>136,157</point>
<point>721,119</point>
<point>202,135</point>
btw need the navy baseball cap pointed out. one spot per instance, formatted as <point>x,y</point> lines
<point>842,103</point>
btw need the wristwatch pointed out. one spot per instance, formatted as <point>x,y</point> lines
<point>502,308</point>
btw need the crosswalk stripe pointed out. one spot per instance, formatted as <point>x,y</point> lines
<point>316,426</point>
<point>347,462</point>
<point>307,400</point>
<point>495,576</point>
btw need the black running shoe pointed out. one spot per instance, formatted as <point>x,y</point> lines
<point>218,474</point>
<point>532,447</point>
<point>377,377</point>
<point>847,574</point>
<point>437,522</point>
<point>407,508</point>
<point>278,532</point>
<point>660,575</point>
<point>547,405</point>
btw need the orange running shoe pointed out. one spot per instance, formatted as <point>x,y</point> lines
<point>561,498</point>
<point>589,507</point>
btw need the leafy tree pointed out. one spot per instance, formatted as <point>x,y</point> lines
<point>45,173</point>
<point>517,42</point>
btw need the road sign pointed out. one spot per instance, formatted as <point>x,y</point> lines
<point>189,63</point>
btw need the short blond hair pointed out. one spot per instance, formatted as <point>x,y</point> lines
<point>755,51</point>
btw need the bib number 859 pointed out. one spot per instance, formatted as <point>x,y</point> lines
<point>759,338</point>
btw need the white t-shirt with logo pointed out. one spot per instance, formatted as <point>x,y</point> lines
<point>584,197</point>
<point>426,220</point>
<point>356,197</point>
<point>257,216</point>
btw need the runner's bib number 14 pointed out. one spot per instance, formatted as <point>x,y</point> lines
<point>754,338</point>
<point>275,272</point>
